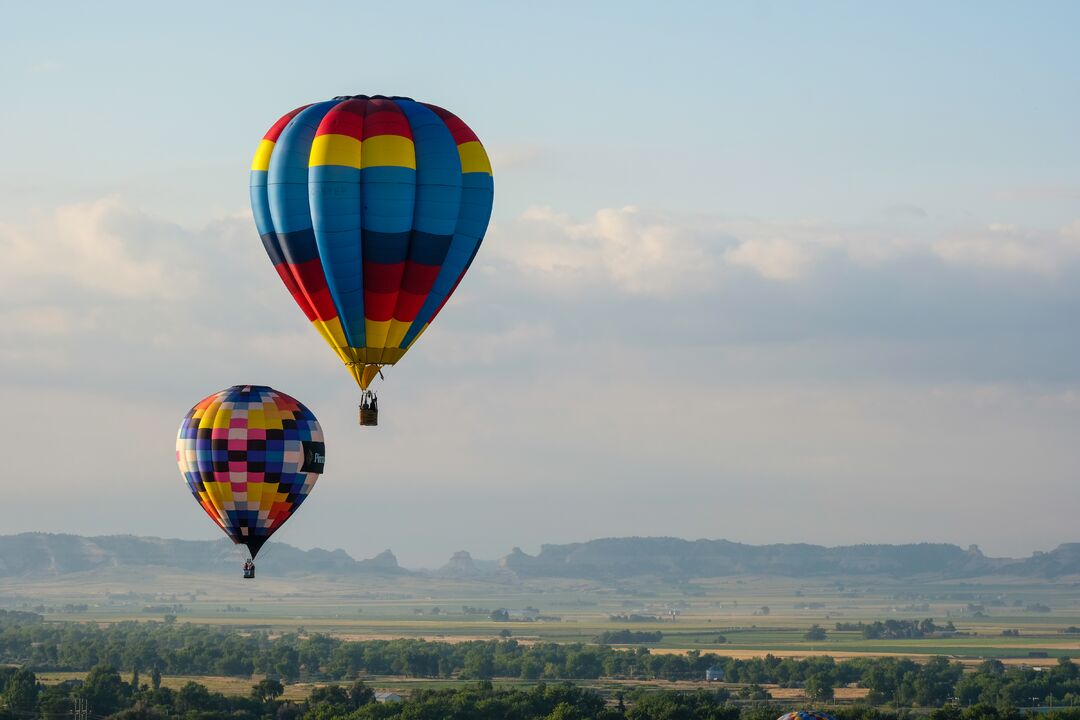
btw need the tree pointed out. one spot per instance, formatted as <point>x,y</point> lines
<point>326,703</point>
<point>194,697</point>
<point>139,712</point>
<point>360,694</point>
<point>54,701</point>
<point>21,692</point>
<point>155,678</point>
<point>104,691</point>
<point>565,711</point>
<point>753,692</point>
<point>267,689</point>
<point>478,664</point>
<point>819,686</point>
<point>816,633</point>
<point>935,681</point>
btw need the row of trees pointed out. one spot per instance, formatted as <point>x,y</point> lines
<point>204,650</point>
<point>186,649</point>
<point>896,629</point>
<point>105,694</point>
<point>628,637</point>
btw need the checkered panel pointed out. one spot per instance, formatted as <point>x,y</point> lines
<point>250,455</point>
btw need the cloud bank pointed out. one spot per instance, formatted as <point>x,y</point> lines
<point>772,370</point>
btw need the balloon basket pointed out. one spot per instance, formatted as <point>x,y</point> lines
<point>369,417</point>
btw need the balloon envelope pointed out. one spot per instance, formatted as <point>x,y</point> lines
<point>371,210</point>
<point>250,455</point>
<point>806,715</point>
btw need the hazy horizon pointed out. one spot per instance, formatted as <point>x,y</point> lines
<point>765,272</point>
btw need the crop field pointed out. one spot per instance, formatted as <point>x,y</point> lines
<point>742,617</point>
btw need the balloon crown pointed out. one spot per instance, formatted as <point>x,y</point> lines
<point>373,97</point>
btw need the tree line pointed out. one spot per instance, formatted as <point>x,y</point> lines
<point>106,694</point>
<point>896,629</point>
<point>188,649</point>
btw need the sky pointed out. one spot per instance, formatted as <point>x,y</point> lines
<point>763,271</point>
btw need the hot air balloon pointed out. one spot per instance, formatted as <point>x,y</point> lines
<point>371,210</point>
<point>250,455</point>
<point>806,715</point>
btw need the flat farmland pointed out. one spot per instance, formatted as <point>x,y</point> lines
<point>743,617</point>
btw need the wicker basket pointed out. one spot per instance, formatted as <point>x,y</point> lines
<point>369,417</point>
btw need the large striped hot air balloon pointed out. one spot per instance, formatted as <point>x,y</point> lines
<point>371,210</point>
<point>250,455</point>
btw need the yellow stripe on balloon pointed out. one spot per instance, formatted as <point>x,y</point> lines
<point>474,158</point>
<point>271,416</point>
<point>392,150</point>
<point>216,494</point>
<point>391,355</point>
<point>375,331</point>
<point>334,149</point>
<point>222,418</point>
<point>334,336</point>
<point>262,156</point>
<point>336,332</point>
<point>256,418</point>
<point>396,333</point>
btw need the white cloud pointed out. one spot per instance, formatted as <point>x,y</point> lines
<point>95,247</point>
<point>637,252</point>
<point>1004,246</point>
<point>667,254</point>
<point>626,349</point>
<point>774,259</point>
<point>46,321</point>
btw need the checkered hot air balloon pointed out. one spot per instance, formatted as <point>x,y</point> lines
<point>371,210</point>
<point>250,455</point>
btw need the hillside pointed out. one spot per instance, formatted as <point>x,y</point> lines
<point>672,558</point>
<point>604,560</point>
<point>38,554</point>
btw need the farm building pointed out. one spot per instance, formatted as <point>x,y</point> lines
<point>385,697</point>
<point>714,674</point>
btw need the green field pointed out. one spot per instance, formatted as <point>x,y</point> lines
<point>577,611</point>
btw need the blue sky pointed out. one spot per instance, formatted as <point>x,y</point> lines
<point>779,260</point>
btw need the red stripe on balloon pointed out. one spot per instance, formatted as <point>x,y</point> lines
<point>309,275</point>
<point>408,305</point>
<point>384,121</point>
<point>418,278</point>
<point>346,118</point>
<point>275,130</point>
<point>383,277</point>
<point>458,129</point>
<point>286,276</point>
<point>284,402</point>
<point>379,307</point>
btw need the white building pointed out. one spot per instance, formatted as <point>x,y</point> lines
<point>385,697</point>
